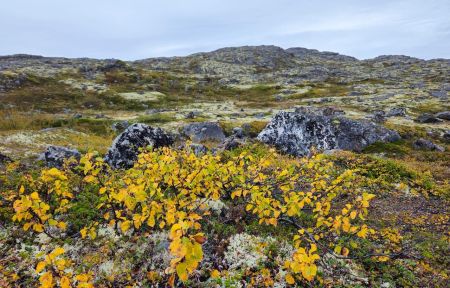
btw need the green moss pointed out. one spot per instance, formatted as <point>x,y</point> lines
<point>156,118</point>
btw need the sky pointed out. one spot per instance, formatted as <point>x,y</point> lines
<point>137,29</point>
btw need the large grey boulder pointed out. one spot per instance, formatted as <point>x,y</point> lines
<point>54,156</point>
<point>296,133</point>
<point>125,148</point>
<point>203,131</point>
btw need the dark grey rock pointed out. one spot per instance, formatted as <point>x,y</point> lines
<point>397,112</point>
<point>54,156</point>
<point>125,148</point>
<point>438,94</point>
<point>428,118</point>
<point>379,117</point>
<point>445,115</point>
<point>424,144</point>
<point>296,133</point>
<point>231,143</point>
<point>203,131</point>
<point>238,132</point>
<point>4,159</point>
<point>77,116</point>
<point>198,149</point>
<point>120,126</point>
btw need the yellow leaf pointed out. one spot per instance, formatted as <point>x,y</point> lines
<point>38,227</point>
<point>215,274</point>
<point>65,282</point>
<point>182,271</point>
<point>27,226</point>
<point>345,252</point>
<point>62,225</point>
<point>289,279</point>
<point>309,272</point>
<point>58,251</point>
<point>125,226</point>
<point>83,232</point>
<point>82,277</point>
<point>89,179</point>
<point>337,249</point>
<point>40,266</point>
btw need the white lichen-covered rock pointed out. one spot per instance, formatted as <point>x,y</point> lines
<point>125,148</point>
<point>296,133</point>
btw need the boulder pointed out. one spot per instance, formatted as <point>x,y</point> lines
<point>296,133</point>
<point>445,115</point>
<point>125,148</point>
<point>54,156</point>
<point>424,144</point>
<point>203,131</point>
<point>428,118</point>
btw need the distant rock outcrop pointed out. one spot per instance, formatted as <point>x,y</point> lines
<point>54,156</point>
<point>125,148</point>
<point>296,133</point>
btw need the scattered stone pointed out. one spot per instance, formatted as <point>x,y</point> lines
<point>379,117</point>
<point>424,144</point>
<point>125,148</point>
<point>231,143</point>
<point>397,112</point>
<point>438,94</point>
<point>296,133</point>
<point>198,149</point>
<point>238,132</point>
<point>54,156</point>
<point>120,126</point>
<point>203,131</point>
<point>4,159</point>
<point>428,118</point>
<point>445,115</point>
<point>192,114</point>
<point>77,116</point>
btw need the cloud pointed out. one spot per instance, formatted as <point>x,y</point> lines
<point>141,28</point>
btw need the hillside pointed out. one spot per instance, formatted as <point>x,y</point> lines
<point>251,166</point>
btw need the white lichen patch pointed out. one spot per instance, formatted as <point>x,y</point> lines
<point>245,251</point>
<point>142,96</point>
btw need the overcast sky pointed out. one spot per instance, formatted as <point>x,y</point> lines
<point>136,29</point>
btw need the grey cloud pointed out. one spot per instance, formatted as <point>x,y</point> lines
<point>142,28</point>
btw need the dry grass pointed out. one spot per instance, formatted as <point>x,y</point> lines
<point>15,120</point>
